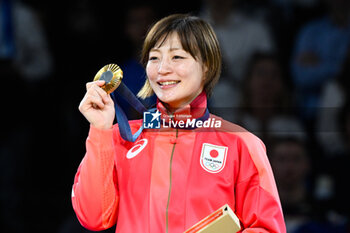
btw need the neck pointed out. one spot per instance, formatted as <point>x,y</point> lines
<point>194,108</point>
<point>172,108</point>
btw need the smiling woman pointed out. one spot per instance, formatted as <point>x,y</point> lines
<point>172,177</point>
<point>192,38</point>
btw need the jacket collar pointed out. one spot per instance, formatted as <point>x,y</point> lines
<point>194,110</point>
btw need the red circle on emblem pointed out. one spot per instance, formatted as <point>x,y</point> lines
<point>214,153</point>
<point>135,148</point>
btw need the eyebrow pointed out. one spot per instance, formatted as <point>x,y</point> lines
<point>171,49</point>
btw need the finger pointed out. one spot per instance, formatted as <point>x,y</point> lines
<point>93,86</point>
<point>99,83</point>
<point>97,91</point>
<point>109,100</point>
<point>102,93</point>
<point>91,101</point>
<point>96,102</point>
<point>94,97</point>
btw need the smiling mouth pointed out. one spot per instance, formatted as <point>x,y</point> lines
<point>168,83</point>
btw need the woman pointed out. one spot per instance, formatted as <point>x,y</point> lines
<point>171,178</point>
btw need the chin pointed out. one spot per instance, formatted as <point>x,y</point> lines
<point>167,97</point>
<point>171,102</point>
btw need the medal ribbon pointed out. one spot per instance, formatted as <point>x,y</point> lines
<point>124,126</point>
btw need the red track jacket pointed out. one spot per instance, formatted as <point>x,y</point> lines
<point>169,179</point>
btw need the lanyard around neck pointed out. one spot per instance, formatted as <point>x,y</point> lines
<point>123,123</point>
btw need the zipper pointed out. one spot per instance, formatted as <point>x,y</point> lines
<point>167,205</point>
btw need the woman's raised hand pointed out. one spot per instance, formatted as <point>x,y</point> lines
<point>97,106</point>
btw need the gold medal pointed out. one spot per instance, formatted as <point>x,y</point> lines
<point>112,75</point>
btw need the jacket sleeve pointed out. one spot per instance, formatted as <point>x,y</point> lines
<point>257,201</point>
<point>95,194</point>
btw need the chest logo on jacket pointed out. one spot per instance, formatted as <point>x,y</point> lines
<point>213,157</point>
<point>137,148</point>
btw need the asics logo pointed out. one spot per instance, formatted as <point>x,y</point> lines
<point>136,149</point>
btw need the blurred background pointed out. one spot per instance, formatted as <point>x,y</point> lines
<point>285,78</point>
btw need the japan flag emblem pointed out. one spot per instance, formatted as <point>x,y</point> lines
<point>213,157</point>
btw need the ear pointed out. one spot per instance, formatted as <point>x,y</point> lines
<point>205,72</point>
<point>205,68</point>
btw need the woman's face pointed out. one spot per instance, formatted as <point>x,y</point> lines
<point>175,76</point>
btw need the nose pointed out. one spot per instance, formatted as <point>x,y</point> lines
<point>164,67</point>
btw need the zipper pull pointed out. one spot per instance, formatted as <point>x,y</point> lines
<point>173,140</point>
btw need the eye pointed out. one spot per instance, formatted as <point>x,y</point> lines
<point>178,57</point>
<point>152,58</point>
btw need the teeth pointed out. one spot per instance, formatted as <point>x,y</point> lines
<point>168,83</point>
